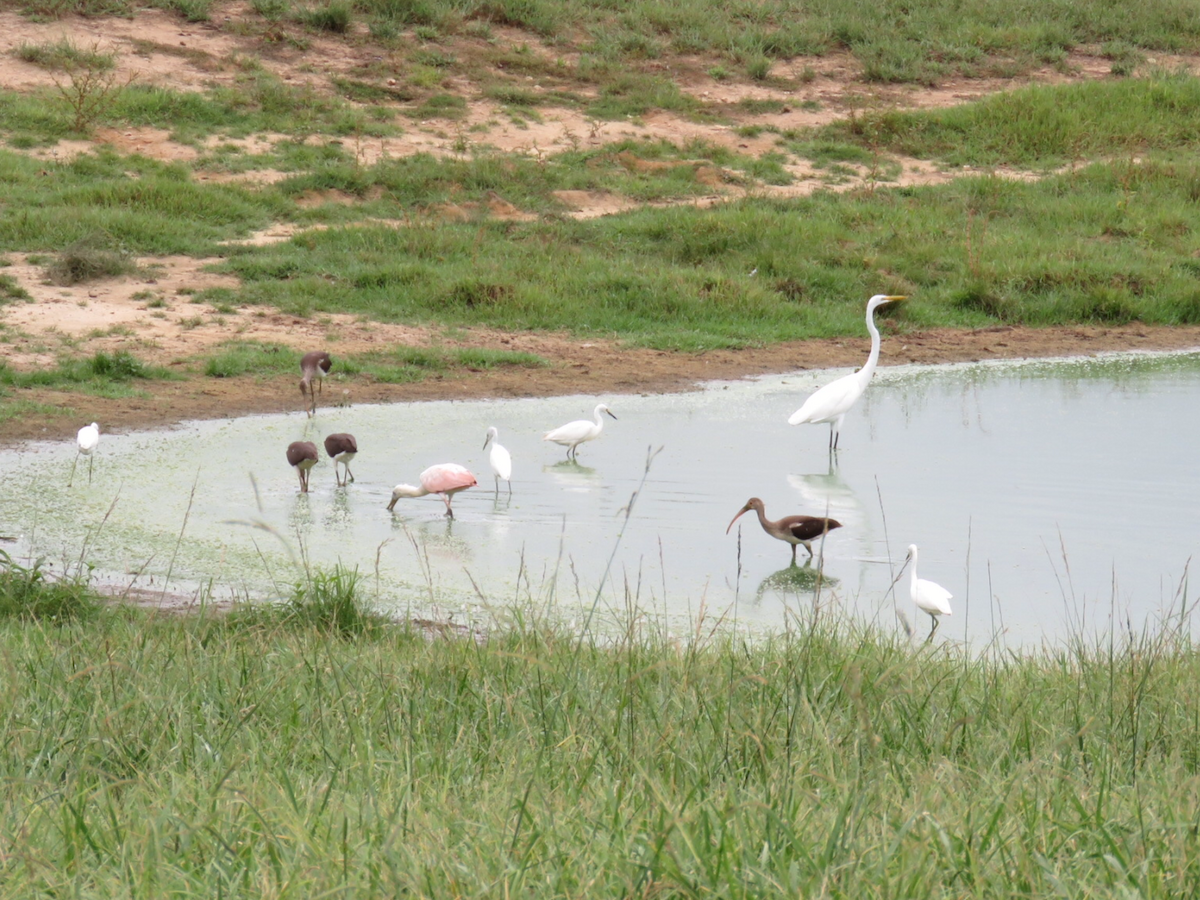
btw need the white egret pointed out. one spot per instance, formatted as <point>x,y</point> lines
<point>575,433</point>
<point>314,366</point>
<point>444,479</point>
<point>831,402</point>
<point>342,448</point>
<point>499,459</point>
<point>86,440</point>
<point>928,596</point>
<point>302,456</point>
<point>792,529</point>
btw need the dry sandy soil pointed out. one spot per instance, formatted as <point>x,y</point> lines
<point>150,314</point>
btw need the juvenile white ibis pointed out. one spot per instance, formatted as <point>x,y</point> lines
<point>445,479</point>
<point>499,459</point>
<point>302,456</point>
<point>575,433</point>
<point>342,448</point>
<point>928,596</point>
<point>86,440</point>
<point>792,529</point>
<point>832,402</point>
<point>314,366</point>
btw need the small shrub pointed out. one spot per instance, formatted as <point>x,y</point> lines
<point>63,56</point>
<point>27,592</point>
<point>119,366</point>
<point>87,259</point>
<point>334,16</point>
<point>330,602</point>
<point>11,290</point>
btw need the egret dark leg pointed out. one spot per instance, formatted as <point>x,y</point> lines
<point>71,480</point>
<point>91,460</point>
<point>933,629</point>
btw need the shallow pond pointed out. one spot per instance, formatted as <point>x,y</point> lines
<point>1051,498</point>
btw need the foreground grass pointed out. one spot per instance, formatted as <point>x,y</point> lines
<point>288,754</point>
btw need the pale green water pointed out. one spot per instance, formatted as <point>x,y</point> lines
<point>1047,497</point>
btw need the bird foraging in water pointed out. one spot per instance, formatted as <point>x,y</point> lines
<point>928,596</point>
<point>792,529</point>
<point>444,479</point>
<point>342,448</point>
<point>831,402</point>
<point>575,433</point>
<point>302,456</point>
<point>499,459</point>
<point>86,441</point>
<point>314,366</point>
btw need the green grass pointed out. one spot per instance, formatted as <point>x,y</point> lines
<point>322,752</point>
<point>108,374</point>
<point>30,593</point>
<point>63,55</point>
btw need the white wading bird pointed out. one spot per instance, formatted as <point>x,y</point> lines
<point>499,459</point>
<point>929,597</point>
<point>87,439</point>
<point>832,402</point>
<point>575,433</point>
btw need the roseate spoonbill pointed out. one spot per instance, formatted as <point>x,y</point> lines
<point>314,366</point>
<point>792,529</point>
<point>446,479</point>
<point>302,456</point>
<point>86,440</point>
<point>342,448</point>
<point>929,597</point>
<point>575,433</point>
<point>500,459</point>
<point>832,402</point>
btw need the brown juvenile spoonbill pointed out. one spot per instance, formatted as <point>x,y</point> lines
<point>341,448</point>
<point>314,366</point>
<point>302,456</point>
<point>792,529</point>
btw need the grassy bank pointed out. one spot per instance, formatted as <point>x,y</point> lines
<point>280,754</point>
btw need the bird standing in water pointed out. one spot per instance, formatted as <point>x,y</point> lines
<point>445,479</point>
<point>302,456</point>
<point>575,433</point>
<point>314,366</point>
<point>342,448</point>
<point>791,529</point>
<point>499,459</point>
<point>86,441</point>
<point>929,597</point>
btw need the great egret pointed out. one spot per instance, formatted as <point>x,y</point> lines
<point>302,456</point>
<point>445,479</point>
<point>832,402</point>
<point>499,459</point>
<point>575,433</point>
<point>314,366</point>
<point>342,448</point>
<point>928,596</point>
<point>86,440</point>
<point>792,529</point>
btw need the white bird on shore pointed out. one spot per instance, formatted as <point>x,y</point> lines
<point>499,459</point>
<point>929,597</point>
<point>575,433</point>
<point>832,402</point>
<point>86,440</point>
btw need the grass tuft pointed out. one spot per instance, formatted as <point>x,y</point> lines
<point>29,593</point>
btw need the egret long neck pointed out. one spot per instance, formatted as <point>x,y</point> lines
<point>864,374</point>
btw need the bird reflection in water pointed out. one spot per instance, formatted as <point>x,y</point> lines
<point>805,579</point>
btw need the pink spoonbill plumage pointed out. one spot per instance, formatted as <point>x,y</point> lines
<point>444,479</point>
<point>793,530</point>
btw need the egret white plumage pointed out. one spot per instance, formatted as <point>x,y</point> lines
<point>575,433</point>
<point>794,530</point>
<point>444,479</point>
<point>342,448</point>
<point>499,459</point>
<point>86,441</point>
<point>929,597</point>
<point>302,456</point>
<point>831,402</point>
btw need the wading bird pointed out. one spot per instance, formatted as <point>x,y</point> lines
<point>499,459</point>
<point>87,439</point>
<point>792,529</point>
<point>832,402</point>
<point>342,448</point>
<point>314,366</point>
<point>575,433</point>
<point>445,479</point>
<point>302,456</point>
<point>929,597</point>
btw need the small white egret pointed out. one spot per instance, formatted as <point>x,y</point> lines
<point>302,456</point>
<point>831,402</point>
<point>575,433</point>
<point>314,366</point>
<point>341,448</point>
<point>792,529</point>
<point>445,479</point>
<point>499,459</point>
<point>86,440</point>
<point>928,596</point>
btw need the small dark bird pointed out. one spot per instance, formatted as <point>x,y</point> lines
<point>313,366</point>
<point>342,448</point>
<point>792,529</point>
<point>302,456</point>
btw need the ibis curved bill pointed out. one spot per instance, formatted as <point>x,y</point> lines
<point>302,456</point>
<point>575,433</point>
<point>499,459</point>
<point>444,479</point>
<point>794,530</point>
<point>929,597</point>
<point>831,402</point>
